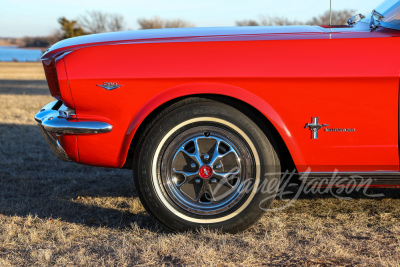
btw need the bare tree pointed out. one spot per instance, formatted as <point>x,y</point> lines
<point>338,18</point>
<point>158,23</point>
<point>177,23</point>
<point>278,21</point>
<point>93,21</point>
<point>116,23</point>
<point>247,22</point>
<point>268,21</point>
<point>98,22</point>
<point>154,23</point>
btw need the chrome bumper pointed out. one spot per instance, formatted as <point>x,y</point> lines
<point>54,144</point>
<point>52,118</point>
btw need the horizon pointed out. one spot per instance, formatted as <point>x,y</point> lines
<point>39,18</point>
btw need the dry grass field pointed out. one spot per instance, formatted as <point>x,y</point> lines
<point>65,214</point>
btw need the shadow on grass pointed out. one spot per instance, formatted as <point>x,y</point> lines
<point>24,87</point>
<point>34,182</point>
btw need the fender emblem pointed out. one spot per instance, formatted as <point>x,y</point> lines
<point>314,126</point>
<point>109,86</point>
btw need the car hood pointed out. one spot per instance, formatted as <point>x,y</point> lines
<point>171,34</point>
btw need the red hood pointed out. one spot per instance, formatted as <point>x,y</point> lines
<point>160,35</point>
<point>360,30</point>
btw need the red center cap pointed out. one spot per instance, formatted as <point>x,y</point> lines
<point>205,172</point>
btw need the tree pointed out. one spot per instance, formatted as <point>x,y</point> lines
<point>268,21</point>
<point>338,17</point>
<point>158,23</point>
<point>154,23</point>
<point>99,22</point>
<point>40,41</point>
<point>278,21</point>
<point>70,28</point>
<point>177,23</point>
<point>247,22</point>
<point>116,23</point>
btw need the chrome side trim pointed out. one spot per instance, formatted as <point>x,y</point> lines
<point>54,144</point>
<point>335,178</point>
<point>324,174</point>
<point>49,117</point>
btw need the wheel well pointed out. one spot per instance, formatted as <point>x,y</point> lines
<point>283,152</point>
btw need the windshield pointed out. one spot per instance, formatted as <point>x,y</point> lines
<point>390,9</point>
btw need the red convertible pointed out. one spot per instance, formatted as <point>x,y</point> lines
<point>207,117</point>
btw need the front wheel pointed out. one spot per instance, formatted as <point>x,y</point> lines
<point>206,165</point>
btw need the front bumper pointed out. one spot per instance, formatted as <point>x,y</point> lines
<point>56,118</point>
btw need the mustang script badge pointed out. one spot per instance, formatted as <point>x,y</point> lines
<point>109,86</point>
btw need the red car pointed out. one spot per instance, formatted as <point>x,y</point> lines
<point>209,118</point>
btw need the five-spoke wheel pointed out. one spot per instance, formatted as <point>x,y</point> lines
<point>204,170</point>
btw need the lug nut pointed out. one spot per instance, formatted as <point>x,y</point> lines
<point>218,166</point>
<point>213,181</point>
<point>193,165</point>
<point>206,156</point>
<point>197,181</point>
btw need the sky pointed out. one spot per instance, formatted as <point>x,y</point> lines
<point>20,18</point>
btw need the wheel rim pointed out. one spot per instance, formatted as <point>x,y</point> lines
<point>205,169</point>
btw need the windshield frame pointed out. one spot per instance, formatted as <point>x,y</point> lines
<point>382,24</point>
<point>384,8</point>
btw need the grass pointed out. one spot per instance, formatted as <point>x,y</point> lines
<point>21,71</point>
<point>65,214</point>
